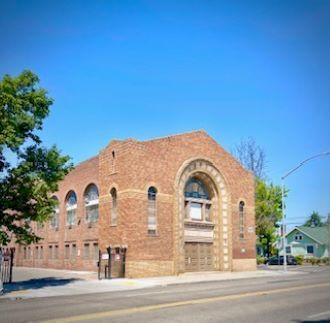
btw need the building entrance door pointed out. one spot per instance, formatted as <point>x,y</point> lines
<point>198,256</point>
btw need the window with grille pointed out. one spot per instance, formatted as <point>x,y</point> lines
<point>86,250</point>
<point>73,251</point>
<point>67,251</point>
<point>152,211</point>
<point>71,208</point>
<point>113,193</point>
<point>96,250</point>
<point>50,252</point>
<point>56,252</point>
<point>54,221</point>
<point>241,219</point>
<point>198,205</point>
<point>92,203</point>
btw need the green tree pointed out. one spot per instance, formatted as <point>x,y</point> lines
<point>268,210</point>
<point>314,220</point>
<point>268,197</point>
<point>29,173</point>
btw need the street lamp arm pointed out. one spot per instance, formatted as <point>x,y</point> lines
<point>283,204</point>
<point>303,162</point>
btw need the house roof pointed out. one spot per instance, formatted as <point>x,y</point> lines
<point>319,234</point>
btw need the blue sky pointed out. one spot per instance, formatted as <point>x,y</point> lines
<point>144,69</point>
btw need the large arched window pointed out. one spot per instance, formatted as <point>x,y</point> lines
<point>92,203</point>
<point>113,194</point>
<point>55,217</point>
<point>152,208</point>
<point>71,208</point>
<point>197,201</point>
<point>241,219</point>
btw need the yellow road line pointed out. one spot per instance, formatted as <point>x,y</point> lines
<point>133,310</point>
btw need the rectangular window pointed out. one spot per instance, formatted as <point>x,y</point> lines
<point>71,216</point>
<point>96,250</point>
<point>152,221</point>
<point>36,253</point>
<point>25,253</point>
<point>310,250</point>
<point>74,251</point>
<point>187,210</point>
<point>56,252</point>
<point>86,250</point>
<point>41,252</point>
<point>288,249</point>
<point>196,211</point>
<point>208,212</point>
<point>67,251</point>
<point>50,252</point>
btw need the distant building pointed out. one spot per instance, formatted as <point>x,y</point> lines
<point>308,242</point>
<point>174,204</point>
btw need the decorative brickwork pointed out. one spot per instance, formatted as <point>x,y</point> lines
<point>131,167</point>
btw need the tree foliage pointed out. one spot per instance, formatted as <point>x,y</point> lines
<point>268,197</point>
<point>268,208</point>
<point>29,172</point>
<point>314,220</point>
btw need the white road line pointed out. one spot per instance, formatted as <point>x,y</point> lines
<point>318,314</point>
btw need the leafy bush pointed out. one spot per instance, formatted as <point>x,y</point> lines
<point>299,259</point>
<point>325,260</point>
<point>315,261</point>
<point>260,260</point>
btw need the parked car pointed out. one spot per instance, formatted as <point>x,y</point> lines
<point>278,260</point>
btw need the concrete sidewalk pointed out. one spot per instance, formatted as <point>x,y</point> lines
<point>37,282</point>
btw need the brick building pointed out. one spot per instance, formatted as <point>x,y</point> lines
<point>175,204</point>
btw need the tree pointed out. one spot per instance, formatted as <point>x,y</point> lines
<point>29,173</point>
<point>314,220</point>
<point>268,210</point>
<point>251,156</point>
<point>268,197</point>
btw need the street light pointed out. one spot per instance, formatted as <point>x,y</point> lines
<point>283,204</point>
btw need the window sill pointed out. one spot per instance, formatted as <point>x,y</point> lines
<point>198,223</point>
<point>153,235</point>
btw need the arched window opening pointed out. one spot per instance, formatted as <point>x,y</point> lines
<point>71,208</point>
<point>113,193</point>
<point>198,205</point>
<point>92,203</point>
<point>55,217</point>
<point>241,219</point>
<point>196,189</point>
<point>152,208</point>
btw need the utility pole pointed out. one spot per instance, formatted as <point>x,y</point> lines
<point>283,205</point>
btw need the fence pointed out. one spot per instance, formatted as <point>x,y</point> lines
<point>112,263</point>
<point>6,264</point>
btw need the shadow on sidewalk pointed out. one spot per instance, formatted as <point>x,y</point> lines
<point>38,283</point>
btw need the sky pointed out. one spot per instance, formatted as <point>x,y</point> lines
<point>146,69</point>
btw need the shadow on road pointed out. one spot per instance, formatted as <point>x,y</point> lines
<point>38,283</point>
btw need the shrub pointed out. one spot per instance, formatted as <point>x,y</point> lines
<point>315,261</point>
<point>325,260</point>
<point>260,260</point>
<point>299,259</point>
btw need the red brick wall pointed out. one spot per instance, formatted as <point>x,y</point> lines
<point>132,167</point>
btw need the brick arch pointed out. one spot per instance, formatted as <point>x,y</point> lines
<point>214,180</point>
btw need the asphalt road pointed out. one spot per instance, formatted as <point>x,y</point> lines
<point>292,298</point>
